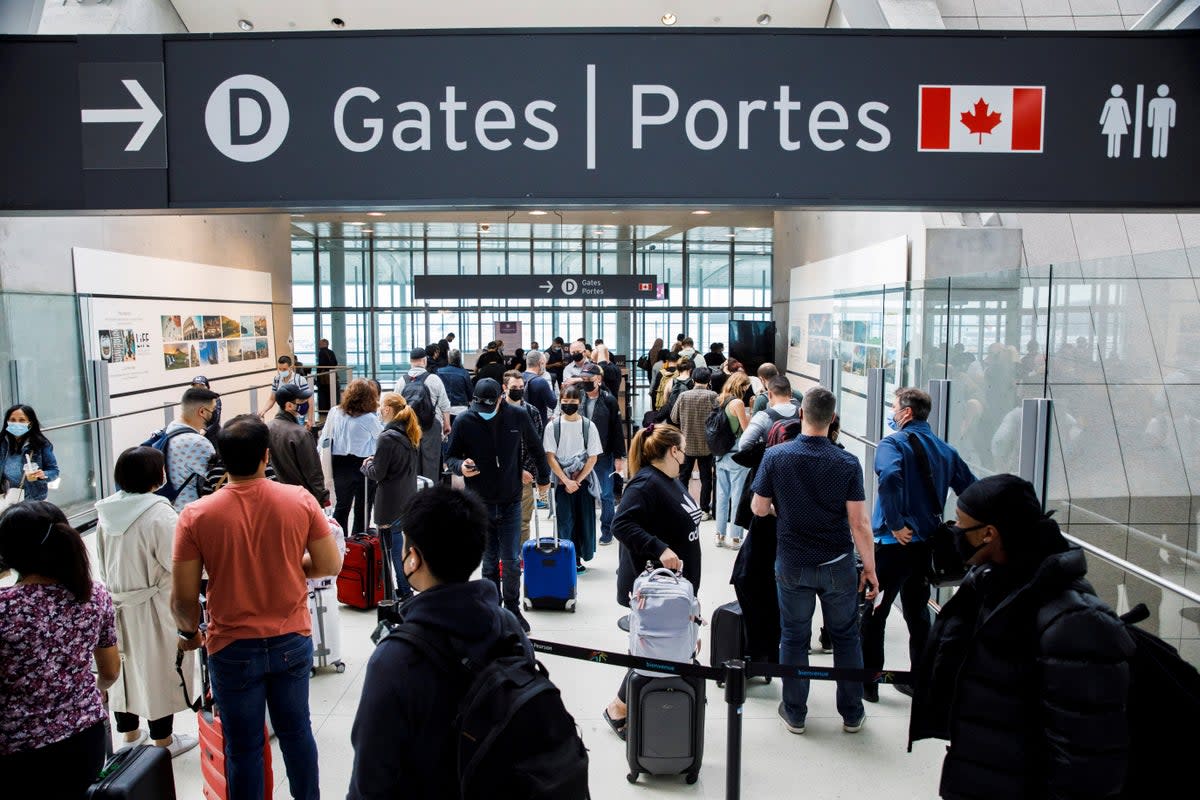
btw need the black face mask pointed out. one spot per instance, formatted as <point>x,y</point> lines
<point>962,544</point>
<point>516,394</point>
<point>587,386</point>
<point>577,357</point>
<point>569,408</point>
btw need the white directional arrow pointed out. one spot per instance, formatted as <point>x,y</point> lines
<point>146,113</point>
<point>548,286</point>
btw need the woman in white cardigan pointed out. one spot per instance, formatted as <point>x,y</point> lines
<point>134,542</point>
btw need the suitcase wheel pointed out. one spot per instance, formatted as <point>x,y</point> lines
<point>340,667</point>
<point>631,777</point>
<point>692,777</point>
<point>525,604</point>
<point>570,605</point>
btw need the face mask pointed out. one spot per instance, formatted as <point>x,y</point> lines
<point>408,574</point>
<point>488,414</point>
<point>577,357</point>
<point>285,375</point>
<point>569,409</point>
<point>893,424</point>
<point>965,549</point>
<point>516,394</point>
<point>18,429</point>
<point>588,386</point>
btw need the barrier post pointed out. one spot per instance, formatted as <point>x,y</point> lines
<point>735,698</point>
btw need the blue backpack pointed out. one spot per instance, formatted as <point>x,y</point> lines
<point>161,441</point>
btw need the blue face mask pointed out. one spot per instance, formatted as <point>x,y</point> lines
<point>892,424</point>
<point>488,414</point>
<point>18,429</point>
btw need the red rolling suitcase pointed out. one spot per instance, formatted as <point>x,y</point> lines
<point>360,583</point>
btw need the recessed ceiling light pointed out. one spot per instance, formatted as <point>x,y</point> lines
<point>374,213</point>
<point>763,19</point>
<point>669,18</point>
<point>338,22</point>
<point>731,235</point>
<point>356,223</point>
<point>537,213</point>
<point>297,215</point>
<point>245,24</point>
<point>700,212</point>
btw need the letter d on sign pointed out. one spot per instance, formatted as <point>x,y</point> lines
<point>246,118</point>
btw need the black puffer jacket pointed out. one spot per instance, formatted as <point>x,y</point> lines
<point>1027,676</point>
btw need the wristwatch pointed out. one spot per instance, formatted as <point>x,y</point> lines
<point>185,635</point>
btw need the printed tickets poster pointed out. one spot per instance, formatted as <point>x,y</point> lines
<point>150,344</point>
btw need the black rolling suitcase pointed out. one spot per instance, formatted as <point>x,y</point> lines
<point>728,639</point>
<point>136,773</point>
<point>665,726</point>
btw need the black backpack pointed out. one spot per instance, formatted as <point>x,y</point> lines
<point>514,738</point>
<point>718,432</point>
<point>161,441</point>
<point>419,399</point>
<point>1164,696</point>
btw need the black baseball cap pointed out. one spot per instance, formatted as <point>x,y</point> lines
<point>291,393</point>
<point>487,394</point>
<point>417,353</point>
<point>592,369</point>
<point>200,379</point>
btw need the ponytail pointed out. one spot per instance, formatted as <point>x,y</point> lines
<point>36,539</point>
<point>404,416</point>
<point>652,443</point>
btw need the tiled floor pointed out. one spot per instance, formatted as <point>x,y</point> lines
<point>823,763</point>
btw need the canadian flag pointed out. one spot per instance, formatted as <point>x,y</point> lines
<point>981,119</point>
<point>645,287</point>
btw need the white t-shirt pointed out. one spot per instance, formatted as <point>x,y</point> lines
<point>571,442</point>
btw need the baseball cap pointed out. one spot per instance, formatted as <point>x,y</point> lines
<point>291,393</point>
<point>487,393</point>
<point>417,352</point>
<point>592,369</point>
<point>201,380</point>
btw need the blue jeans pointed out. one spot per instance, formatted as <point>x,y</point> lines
<point>836,585</point>
<point>608,506</point>
<point>503,547</point>
<point>404,590</point>
<point>249,677</point>
<point>731,480</point>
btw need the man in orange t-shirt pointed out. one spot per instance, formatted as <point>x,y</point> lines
<point>259,541</point>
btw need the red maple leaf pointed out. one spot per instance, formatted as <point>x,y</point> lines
<point>980,121</point>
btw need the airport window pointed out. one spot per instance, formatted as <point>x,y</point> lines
<point>356,288</point>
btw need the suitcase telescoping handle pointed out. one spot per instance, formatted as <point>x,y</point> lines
<point>537,526</point>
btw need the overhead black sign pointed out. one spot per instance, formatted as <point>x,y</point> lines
<point>533,118</point>
<point>518,287</point>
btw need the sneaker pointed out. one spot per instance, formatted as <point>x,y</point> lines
<point>515,610</point>
<point>855,727</point>
<point>720,540</point>
<point>706,516</point>
<point>871,692</point>
<point>787,723</point>
<point>542,505</point>
<point>580,569</point>
<point>142,737</point>
<point>904,689</point>
<point>735,544</point>
<point>181,743</point>
<point>606,540</point>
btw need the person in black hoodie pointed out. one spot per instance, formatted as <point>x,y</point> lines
<point>485,448</point>
<point>658,522</point>
<point>1026,672</point>
<point>403,734</point>
<point>394,468</point>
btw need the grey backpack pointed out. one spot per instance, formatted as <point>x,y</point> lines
<point>664,619</point>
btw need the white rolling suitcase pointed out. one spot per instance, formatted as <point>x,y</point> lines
<point>326,613</point>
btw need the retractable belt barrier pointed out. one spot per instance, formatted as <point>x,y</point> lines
<point>751,669</point>
<point>734,675</point>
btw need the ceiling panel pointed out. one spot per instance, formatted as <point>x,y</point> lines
<point>210,16</point>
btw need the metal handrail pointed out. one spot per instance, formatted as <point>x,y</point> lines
<point>1182,552</point>
<point>161,406</point>
<point>1127,566</point>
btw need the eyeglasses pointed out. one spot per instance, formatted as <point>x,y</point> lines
<point>972,528</point>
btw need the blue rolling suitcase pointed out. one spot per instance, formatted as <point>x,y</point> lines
<point>550,575</point>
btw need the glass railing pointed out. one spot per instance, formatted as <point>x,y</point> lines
<point>1115,345</point>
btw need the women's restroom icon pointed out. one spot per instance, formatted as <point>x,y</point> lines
<point>1115,121</point>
